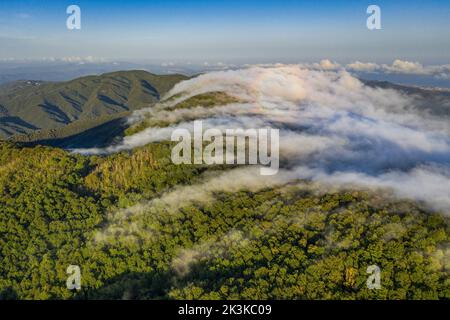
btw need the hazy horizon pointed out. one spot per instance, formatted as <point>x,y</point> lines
<point>227,31</point>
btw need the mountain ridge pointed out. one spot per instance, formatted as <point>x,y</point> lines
<point>28,106</point>
<point>102,129</point>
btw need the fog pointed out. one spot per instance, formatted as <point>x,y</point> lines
<point>333,128</point>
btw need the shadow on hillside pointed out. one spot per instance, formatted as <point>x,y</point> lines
<point>131,286</point>
<point>55,112</point>
<point>100,136</point>
<point>157,285</point>
<point>151,90</point>
<point>8,294</point>
<point>10,125</point>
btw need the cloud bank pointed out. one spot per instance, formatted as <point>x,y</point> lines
<point>333,128</point>
<point>401,67</point>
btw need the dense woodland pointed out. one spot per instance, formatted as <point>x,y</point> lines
<point>290,242</point>
<point>36,110</point>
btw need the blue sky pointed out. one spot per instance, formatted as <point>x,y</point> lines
<point>264,30</point>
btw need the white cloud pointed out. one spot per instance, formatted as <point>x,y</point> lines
<point>168,64</point>
<point>399,66</point>
<point>405,67</point>
<point>326,65</point>
<point>77,59</point>
<point>362,66</point>
<point>333,128</point>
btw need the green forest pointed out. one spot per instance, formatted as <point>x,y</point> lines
<point>292,241</point>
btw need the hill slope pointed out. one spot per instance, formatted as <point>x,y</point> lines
<point>432,101</point>
<point>27,106</point>
<point>285,242</point>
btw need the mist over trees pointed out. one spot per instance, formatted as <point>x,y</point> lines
<point>363,184</point>
<point>287,242</point>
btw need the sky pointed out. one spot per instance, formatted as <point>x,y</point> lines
<point>232,30</point>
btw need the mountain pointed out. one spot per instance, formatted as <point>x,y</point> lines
<point>29,106</point>
<point>434,101</point>
<point>141,227</point>
<point>91,111</point>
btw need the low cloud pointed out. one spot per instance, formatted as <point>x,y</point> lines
<point>405,67</point>
<point>399,66</point>
<point>333,129</point>
<point>328,65</point>
<point>186,258</point>
<point>362,66</point>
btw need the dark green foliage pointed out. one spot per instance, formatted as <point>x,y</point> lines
<point>290,242</point>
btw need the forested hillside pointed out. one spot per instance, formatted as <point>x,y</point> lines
<point>30,106</point>
<point>287,242</point>
<point>141,227</point>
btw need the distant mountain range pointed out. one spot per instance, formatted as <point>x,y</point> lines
<point>30,106</point>
<point>434,101</point>
<point>91,111</point>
